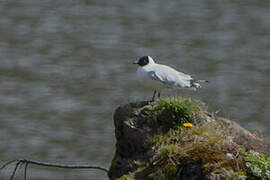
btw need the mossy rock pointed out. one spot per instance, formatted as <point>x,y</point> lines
<point>153,142</point>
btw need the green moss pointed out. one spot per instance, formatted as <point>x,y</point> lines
<point>126,177</point>
<point>115,163</point>
<point>140,169</point>
<point>138,162</point>
<point>156,139</point>
<point>209,155</point>
<point>218,171</point>
<point>207,166</point>
<point>209,133</point>
<point>173,135</point>
<point>237,176</point>
<point>257,164</point>
<point>116,160</point>
<point>166,150</point>
<point>170,171</point>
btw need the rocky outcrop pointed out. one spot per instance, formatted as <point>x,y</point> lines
<point>175,138</point>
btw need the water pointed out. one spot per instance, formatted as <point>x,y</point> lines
<point>66,65</point>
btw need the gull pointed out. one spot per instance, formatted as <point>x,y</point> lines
<point>159,77</point>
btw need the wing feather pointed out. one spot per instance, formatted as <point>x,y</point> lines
<point>170,77</point>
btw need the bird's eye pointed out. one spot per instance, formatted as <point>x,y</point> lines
<point>146,61</point>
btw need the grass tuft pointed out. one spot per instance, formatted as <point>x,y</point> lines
<point>172,112</point>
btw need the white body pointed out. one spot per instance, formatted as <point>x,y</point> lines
<point>159,77</point>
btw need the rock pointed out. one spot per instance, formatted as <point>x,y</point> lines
<point>245,138</point>
<point>152,143</point>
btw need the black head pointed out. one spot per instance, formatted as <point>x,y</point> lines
<point>142,61</point>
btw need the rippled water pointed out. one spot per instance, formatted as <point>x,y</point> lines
<point>66,65</point>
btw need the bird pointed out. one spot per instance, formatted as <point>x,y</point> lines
<point>159,77</point>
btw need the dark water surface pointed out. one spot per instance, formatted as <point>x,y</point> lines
<point>66,65</point>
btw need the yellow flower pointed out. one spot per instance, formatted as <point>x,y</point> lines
<point>187,125</point>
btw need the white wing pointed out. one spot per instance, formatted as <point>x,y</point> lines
<point>169,76</point>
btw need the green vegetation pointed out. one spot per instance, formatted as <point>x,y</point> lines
<point>202,147</point>
<point>257,164</point>
<point>126,177</point>
<point>237,176</point>
<point>166,150</point>
<point>172,112</point>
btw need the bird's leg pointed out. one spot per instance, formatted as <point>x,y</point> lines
<point>154,95</point>
<point>158,95</point>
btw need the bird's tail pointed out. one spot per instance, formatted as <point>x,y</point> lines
<point>201,81</point>
<point>196,83</point>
